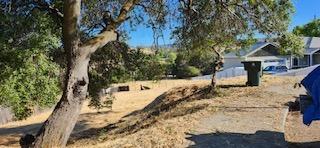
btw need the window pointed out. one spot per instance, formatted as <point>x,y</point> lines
<point>295,62</point>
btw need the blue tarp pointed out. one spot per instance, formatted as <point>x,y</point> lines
<point>312,84</point>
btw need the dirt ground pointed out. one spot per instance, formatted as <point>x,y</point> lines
<point>300,135</point>
<point>171,112</point>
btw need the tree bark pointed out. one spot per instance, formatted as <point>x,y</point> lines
<point>58,127</point>
<point>218,64</point>
<point>214,80</point>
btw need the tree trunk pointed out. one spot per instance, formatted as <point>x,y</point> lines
<point>56,130</point>
<point>214,80</point>
<point>218,64</point>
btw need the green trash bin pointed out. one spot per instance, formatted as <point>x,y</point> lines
<point>254,72</point>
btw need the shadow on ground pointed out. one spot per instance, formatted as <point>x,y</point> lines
<point>260,139</point>
<point>26,129</point>
<point>11,136</point>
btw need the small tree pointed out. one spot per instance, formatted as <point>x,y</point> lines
<point>219,25</point>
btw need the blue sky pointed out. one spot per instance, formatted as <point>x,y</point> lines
<point>306,10</point>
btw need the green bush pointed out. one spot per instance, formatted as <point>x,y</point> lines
<point>31,83</point>
<point>187,71</point>
<point>29,78</point>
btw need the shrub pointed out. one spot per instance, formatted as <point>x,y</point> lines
<point>187,71</point>
<point>31,83</point>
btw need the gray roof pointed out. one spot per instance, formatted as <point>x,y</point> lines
<point>312,44</point>
<point>310,50</point>
<point>245,51</point>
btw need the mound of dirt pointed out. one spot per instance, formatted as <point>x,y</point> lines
<point>168,105</point>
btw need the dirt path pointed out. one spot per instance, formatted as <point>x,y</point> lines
<point>241,127</point>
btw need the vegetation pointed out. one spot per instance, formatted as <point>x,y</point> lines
<point>78,29</point>
<point>32,81</point>
<point>311,29</point>
<point>29,78</point>
<point>187,71</point>
<point>230,25</point>
<point>202,60</point>
<point>117,63</point>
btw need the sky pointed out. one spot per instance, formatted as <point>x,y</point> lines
<point>306,10</point>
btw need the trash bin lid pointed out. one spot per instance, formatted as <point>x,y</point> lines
<point>251,64</point>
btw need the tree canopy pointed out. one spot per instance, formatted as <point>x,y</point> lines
<point>29,78</point>
<point>311,29</point>
<point>230,25</point>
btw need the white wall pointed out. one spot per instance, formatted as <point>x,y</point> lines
<point>232,62</point>
<point>226,73</point>
<point>236,61</point>
<point>299,72</point>
<point>273,60</point>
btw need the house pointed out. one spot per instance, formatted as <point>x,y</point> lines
<point>269,54</point>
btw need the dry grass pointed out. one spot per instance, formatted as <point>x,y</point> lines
<point>161,118</point>
<point>125,103</point>
<point>166,120</point>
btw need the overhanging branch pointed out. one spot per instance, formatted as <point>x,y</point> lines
<point>42,5</point>
<point>109,33</point>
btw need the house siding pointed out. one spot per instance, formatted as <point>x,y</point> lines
<point>232,62</point>
<point>302,61</point>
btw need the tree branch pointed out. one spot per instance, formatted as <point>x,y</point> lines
<point>129,4</point>
<point>42,5</point>
<point>109,33</point>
